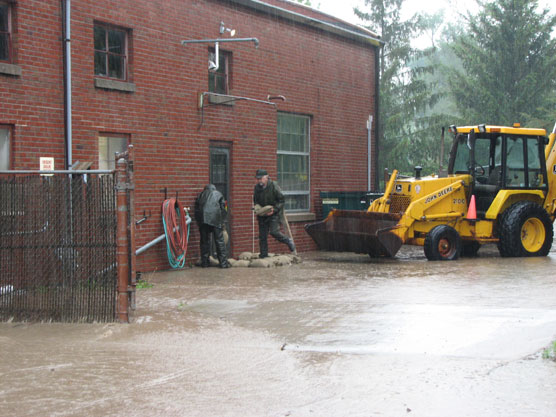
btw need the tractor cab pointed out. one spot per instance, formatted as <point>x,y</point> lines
<point>498,158</point>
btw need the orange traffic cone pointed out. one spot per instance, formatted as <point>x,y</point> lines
<point>472,210</point>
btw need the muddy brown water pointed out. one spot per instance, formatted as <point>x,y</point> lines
<point>338,335</point>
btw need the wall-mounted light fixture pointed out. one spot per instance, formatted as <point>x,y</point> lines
<point>224,29</point>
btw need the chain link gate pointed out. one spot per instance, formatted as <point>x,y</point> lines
<point>58,246</point>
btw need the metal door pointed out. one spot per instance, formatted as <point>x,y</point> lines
<point>219,175</point>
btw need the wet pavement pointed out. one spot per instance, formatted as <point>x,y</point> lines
<point>337,335</point>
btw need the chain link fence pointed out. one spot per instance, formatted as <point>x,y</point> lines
<point>58,247</point>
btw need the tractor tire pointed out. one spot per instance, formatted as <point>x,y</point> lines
<point>525,229</point>
<point>442,243</point>
<point>470,249</point>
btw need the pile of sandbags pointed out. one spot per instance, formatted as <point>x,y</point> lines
<point>252,260</point>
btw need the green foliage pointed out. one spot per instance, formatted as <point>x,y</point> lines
<point>550,351</point>
<point>143,284</point>
<point>509,65</point>
<point>495,67</point>
<point>405,133</point>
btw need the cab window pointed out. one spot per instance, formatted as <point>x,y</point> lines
<point>523,163</point>
<point>515,164</point>
<point>536,177</point>
<point>461,160</point>
<point>482,154</point>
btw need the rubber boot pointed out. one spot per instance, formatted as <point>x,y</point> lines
<point>205,262</point>
<point>291,245</point>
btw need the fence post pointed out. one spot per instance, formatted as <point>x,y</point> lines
<point>122,243</point>
<point>131,222</point>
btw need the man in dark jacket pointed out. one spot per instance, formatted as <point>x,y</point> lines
<point>269,202</point>
<point>210,213</point>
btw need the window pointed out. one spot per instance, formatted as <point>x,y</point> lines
<point>535,174</point>
<point>5,148</point>
<point>293,160</point>
<point>108,145</point>
<point>523,164</point>
<point>219,78</point>
<point>110,52</point>
<point>5,32</point>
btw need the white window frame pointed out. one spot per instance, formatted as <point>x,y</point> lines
<point>5,147</point>
<point>306,154</point>
<point>108,161</point>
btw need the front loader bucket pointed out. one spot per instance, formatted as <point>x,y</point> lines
<point>357,231</point>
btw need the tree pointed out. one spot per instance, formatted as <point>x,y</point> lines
<point>509,65</point>
<point>404,93</point>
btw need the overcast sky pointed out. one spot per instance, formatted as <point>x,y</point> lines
<point>452,8</point>
<point>343,8</point>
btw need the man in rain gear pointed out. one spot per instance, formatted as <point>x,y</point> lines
<point>211,213</point>
<point>269,203</point>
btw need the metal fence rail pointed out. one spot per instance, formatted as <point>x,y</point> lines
<point>58,247</point>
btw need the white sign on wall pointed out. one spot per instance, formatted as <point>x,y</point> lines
<point>46,164</point>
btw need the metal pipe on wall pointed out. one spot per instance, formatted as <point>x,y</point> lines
<point>158,239</point>
<point>67,83</point>
<point>369,161</point>
<point>377,116</point>
<point>254,40</point>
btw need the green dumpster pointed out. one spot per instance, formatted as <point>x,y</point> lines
<point>346,200</point>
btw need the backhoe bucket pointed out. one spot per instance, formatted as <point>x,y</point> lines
<point>357,231</point>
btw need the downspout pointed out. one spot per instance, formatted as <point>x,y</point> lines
<point>67,83</point>
<point>66,4</point>
<point>369,162</point>
<point>377,119</point>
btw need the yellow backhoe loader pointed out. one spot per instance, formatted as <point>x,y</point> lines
<point>500,188</point>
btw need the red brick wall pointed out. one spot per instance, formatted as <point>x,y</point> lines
<point>321,75</point>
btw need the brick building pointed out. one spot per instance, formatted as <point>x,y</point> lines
<point>293,96</point>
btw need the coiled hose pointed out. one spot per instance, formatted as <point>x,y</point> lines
<point>176,229</point>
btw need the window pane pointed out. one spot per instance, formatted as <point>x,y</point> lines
<point>482,152</point>
<point>4,33</point>
<point>107,147</point>
<point>4,48</point>
<point>116,41</point>
<point>533,154</point>
<point>220,86</point>
<point>534,164</point>
<point>461,163</point>
<point>100,63</point>
<point>292,133</point>
<point>222,63</point>
<point>297,202</point>
<point>116,66</point>
<point>293,173</point>
<point>515,163</point>
<point>100,38</point>
<point>4,17</point>
<point>4,148</point>
<point>212,82</point>
<point>286,142</point>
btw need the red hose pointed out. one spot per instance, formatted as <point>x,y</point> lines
<point>174,216</point>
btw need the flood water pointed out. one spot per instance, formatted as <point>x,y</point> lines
<point>337,335</point>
